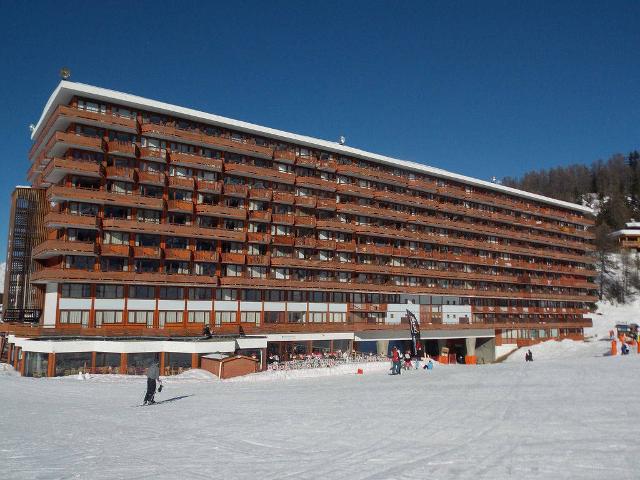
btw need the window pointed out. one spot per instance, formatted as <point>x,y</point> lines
<point>200,294</point>
<point>113,264</point>
<point>141,317</point>
<point>250,295</point>
<point>108,317</point>
<point>169,317</point>
<point>199,317</point>
<point>116,238</point>
<point>296,296</point>
<point>75,290</point>
<point>317,317</point>
<point>225,317</point>
<point>171,293</point>
<point>295,317</point>
<point>109,291</point>
<point>74,317</point>
<point>274,296</point>
<point>320,297</point>
<point>142,291</point>
<point>250,317</point>
<point>234,270</point>
<point>338,317</point>
<point>226,294</point>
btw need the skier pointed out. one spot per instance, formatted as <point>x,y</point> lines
<point>407,360</point>
<point>153,375</point>
<point>429,365</point>
<point>419,355</point>
<point>395,361</point>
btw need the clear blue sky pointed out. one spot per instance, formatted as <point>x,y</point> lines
<point>479,88</point>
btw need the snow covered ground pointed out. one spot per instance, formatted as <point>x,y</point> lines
<point>567,415</point>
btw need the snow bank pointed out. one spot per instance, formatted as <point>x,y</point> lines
<point>6,369</point>
<point>339,370</point>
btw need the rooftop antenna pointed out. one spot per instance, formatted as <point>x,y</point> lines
<point>65,73</point>
<point>32,127</point>
<point>342,140</point>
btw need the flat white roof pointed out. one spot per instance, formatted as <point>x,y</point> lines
<point>66,90</point>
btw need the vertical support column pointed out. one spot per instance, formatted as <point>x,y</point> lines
<point>162,359</point>
<point>382,347</point>
<point>123,363</point>
<point>195,361</point>
<point>93,362</point>
<point>51,365</point>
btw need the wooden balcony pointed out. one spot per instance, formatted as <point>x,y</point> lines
<point>58,168</point>
<point>307,162</point>
<point>120,173</point>
<point>235,258</point>
<point>316,183</point>
<point>221,211</point>
<point>177,254</point>
<point>184,183</point>
<point>355,190</point>
<point>327,165</point>
<point>209,186</point>
<point>123,149</point>
<point>346,246</point>
<point>258,237</point>
<point>112,250</point>
<point>260,215</point>
<point>283,218</point>
<point>153,153</point>
<point>68,220</point>
<point>309,202</point>
<point>326,244</point>
<point>335,226</point>
<point>82,276</point>
<point>185,206</point>
<point>206,256</point>
<point>283,197</point>
<point>146,252</point>
<point>55,248</point>
<point>374,249</point>
<point>326,204</point>
<point>283,240</point>
<point>259,260</point>
<point>60,193</point>
<point>61,141</point>
<point>196,161</point>
<point>284,156</point>
<point>262,194</point>
<point>168,229</point>
<point>151,178</point>
<point>251,171</point>
<point>372,174</point>
<point>231,190</point>
<point>305,242</point>
<point>309,222</point>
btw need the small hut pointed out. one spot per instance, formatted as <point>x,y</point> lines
<point>228,366</point>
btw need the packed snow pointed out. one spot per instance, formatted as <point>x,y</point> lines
<point>567,415</point>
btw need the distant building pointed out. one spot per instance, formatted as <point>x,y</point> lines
<point>23,301</point>
<point>164,221</point>
<point>629,237</point>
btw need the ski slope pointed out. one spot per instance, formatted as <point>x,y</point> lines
<point>567,415</point>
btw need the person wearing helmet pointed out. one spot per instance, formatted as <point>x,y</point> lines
<point>153,376</point>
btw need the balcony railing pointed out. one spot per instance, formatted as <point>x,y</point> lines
<point>120,173</point>
<point>68,220</point>
<point>147,278</point>
<point>177,254</point>
<point>57,192</point>
<point>221,211</point>
<point>263,194</point>
<point>151,178</point>
<point>58,168</point>
<point>235,258</point>
<point>316,183</point>
<point>54,248</point>
<point>260,215</point>
<point>116,147</point>
<point>113,250</point>
<point>209,186</point>
<point>184,183</point>
<point>309,202</point>
<point>258,237</point>
<point>180,206</point>
<point>146,252</point>
<point>283,218</point>
<point>232,190</point>
<point>284,156</point>
<point>260,260</point>
<point>206,256</point>
<point>263,173</point>
<point>196,161</point>
<point>283,197</point>
<point>153,153</point>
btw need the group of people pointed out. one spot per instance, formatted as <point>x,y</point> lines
<point>406,361</point>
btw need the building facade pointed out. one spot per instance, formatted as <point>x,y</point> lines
<point>23,301</point>
<point>629,237</point>
<point>162,219</point>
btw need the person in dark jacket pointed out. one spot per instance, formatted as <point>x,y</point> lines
<point>153,376</point>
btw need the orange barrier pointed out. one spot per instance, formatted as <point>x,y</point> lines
<point>360,372</point>
<point>470,360</point>
<point>614,347</point>
<point>443,359</point>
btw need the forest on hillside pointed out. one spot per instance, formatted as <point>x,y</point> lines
<point>612,187</point>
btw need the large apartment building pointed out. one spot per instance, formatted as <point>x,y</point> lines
<point>163,219</point>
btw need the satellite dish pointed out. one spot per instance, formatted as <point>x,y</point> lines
<point>32,127</point>
<point>65,73</point>
<point>342,140</point>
